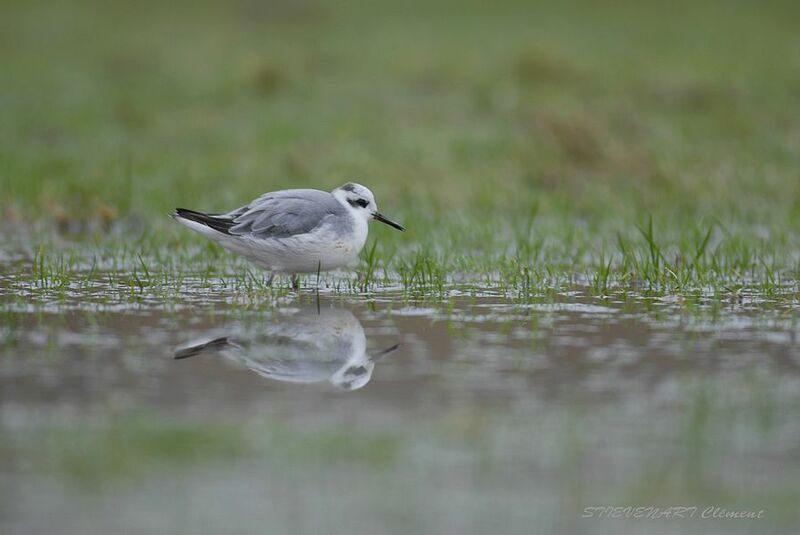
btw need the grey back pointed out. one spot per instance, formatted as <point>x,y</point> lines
<point>286,213</point>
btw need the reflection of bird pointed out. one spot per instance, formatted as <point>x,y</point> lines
<point>305,347</point>
<point>296,230</point>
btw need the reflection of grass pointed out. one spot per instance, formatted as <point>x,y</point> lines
<point>497,455</point>
<point>127,447</point>
<point>133,446</point>
<point>330,446</point>
<point>718,423</point>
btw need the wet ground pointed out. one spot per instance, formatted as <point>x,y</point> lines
<point>330,414</point>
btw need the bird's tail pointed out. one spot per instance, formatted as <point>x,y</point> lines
<point>217,222</point>
<point>212,345</point>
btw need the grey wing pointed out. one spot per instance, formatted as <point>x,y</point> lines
<point>284,213</point>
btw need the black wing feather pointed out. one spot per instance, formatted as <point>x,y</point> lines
<point>218,223</point>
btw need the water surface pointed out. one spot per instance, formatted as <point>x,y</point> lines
<point>376,414</point>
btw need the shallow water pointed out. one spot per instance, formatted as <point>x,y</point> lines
<point>381,415</point>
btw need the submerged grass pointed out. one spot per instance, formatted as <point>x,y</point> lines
<point>706,261</point>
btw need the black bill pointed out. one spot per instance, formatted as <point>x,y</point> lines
<point>380,354</point>
<point>380,217</point>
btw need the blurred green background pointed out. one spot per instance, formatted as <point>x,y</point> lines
<point>572,156</point>
<point>605,111</point>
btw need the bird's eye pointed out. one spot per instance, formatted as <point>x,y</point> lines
<point>356,370</point>
<point>363,203</point>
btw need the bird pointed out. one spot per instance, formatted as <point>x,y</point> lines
<point>294,231</point>
<point>300,346</point>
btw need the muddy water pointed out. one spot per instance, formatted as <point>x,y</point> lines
<point>354,415</point>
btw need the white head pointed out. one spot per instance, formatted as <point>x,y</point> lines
<point>353,376</point>
<point>358,370</point>
<point>360,201</point>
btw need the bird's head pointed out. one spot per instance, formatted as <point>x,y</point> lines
<point>360,201</point>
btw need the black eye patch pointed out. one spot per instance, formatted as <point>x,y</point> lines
<point>358,371</point>
<point>363,203</point>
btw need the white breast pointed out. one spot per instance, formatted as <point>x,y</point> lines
<point>324,249</point>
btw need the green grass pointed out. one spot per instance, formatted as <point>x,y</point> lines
<point>704,262</point>
<point>634,145</point>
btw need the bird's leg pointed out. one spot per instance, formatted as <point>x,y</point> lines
<point>295,282</point>
<point>361,280</point>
